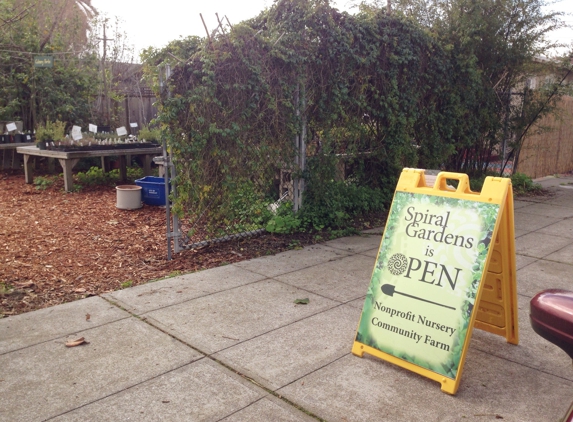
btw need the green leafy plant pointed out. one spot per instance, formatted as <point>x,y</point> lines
<point>43,183</point>
<point>149,134</point>
<point>5,288</point>
<point>126,284</point>
<point>96,176</point>
<point>283,224</point>
<point>134,173</point>
<point>523,184</point>
<point>284,221</point>
<point>50,131</point>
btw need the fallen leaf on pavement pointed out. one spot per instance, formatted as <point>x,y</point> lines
<point>76,342</point>
<point>304,301</point>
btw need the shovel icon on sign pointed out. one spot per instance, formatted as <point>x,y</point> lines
<point>390,290</point>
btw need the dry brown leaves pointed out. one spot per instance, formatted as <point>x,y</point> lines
<point>57,247</point>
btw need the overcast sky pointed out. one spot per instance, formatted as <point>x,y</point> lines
<point>155,23</point>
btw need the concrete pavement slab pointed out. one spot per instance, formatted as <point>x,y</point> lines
<point>47,324</point>
<point>532,351</point>
<point>548,210</point>
<point>553,181</point>
<point>539,245</point>
<point>158,294</point>
<point>517,204</point>
<point>343,280</point>
<point>200,391</point>
<point>368,389</point>
<point>356,244</point>
<point>531,222</point>
<point>289,261</point>
<point>372,253</point>
<point>358,303</point>
<point>48,379</point>
<point>268,409</point>
<point>564,255</point>
<point>563,228</point>
<point>224,319</point>
<point>522,261</point>
<point>563,197</point>
<point>284,355</point>
<point>542,275</point>
<point>518,233</point>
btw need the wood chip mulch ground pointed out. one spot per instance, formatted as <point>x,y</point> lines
<point>56,247</point>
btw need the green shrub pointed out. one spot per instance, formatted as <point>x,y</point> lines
<point>284,221</point>
<point>43,183</point>
<point>96,176</point>
<point>523,184</point>
<point>51,131</point>
<point>149,134</point>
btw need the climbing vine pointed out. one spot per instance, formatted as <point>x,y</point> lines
<point>372,93</point>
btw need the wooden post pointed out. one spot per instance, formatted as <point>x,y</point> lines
<point>122,168</point>
<point>67,166</point>
<point>147,165</point>
<point>28,169</point>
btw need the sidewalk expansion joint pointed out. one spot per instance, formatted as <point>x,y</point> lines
<point>124,389</point>
<point>219,362</point>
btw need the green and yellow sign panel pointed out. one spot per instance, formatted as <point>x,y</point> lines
<point>432,269</point>
<point>43,61</point>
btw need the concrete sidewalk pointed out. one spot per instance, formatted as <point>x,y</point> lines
<point>229,344</point>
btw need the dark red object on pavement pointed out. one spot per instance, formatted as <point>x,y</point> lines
<point>551,314</point>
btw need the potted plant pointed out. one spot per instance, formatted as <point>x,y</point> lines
<point>147,134</point>
<point>49,132</point>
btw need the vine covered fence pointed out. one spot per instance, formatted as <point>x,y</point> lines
<point>309,108</point>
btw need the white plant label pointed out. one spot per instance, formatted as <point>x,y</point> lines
<point>11,126</point>
<point>133,125</point>
<point>76,133</point>
<point>92,128</point>
<point>121,131</point>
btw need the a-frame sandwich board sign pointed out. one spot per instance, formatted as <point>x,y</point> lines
<point>446,263</point>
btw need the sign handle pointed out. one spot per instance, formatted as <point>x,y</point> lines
<point>463,185</point>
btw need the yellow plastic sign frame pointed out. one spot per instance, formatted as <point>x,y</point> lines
<point>495,306</point>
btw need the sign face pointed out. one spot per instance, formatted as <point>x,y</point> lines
<point>11,127</point>
<point>133,125</point>
<point>92,128</point>
<point>76,133</point>
<point>43,61</point>
<point>121,131</point>
<point>425,282</point>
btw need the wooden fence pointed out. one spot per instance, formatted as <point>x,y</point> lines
<point>137,108</point>
<point>550,152</point>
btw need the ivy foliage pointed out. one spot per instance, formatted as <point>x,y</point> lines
<point>372,93</point>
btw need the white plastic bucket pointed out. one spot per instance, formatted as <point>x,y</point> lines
<point>128,197</point>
